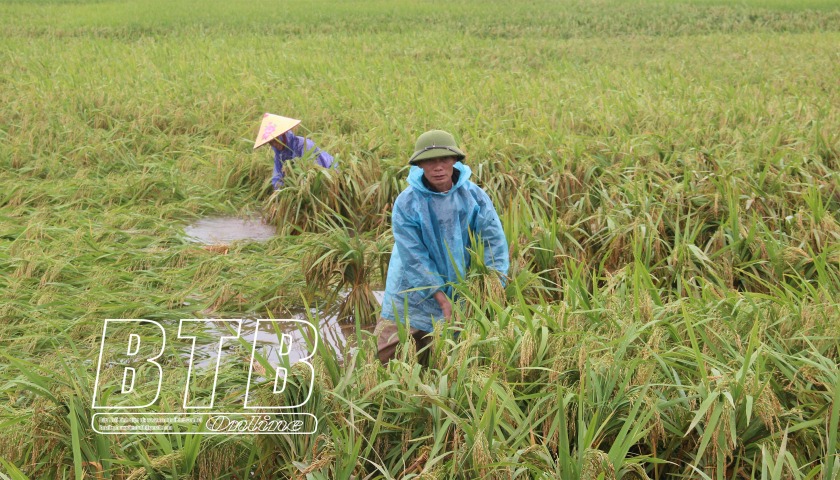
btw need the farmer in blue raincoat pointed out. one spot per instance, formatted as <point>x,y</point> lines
<point>432,220</point>
<point>277,132</point>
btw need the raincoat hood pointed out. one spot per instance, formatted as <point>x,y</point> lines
<point>415,179</point>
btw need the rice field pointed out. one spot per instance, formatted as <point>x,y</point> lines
<point>666,173</point>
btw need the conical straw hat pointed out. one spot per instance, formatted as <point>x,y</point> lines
<point>273,126</point>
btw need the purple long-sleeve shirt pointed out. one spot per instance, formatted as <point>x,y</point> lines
<point>296,147</point>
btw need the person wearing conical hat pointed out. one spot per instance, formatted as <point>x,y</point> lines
<point>278,132</point>
<point>433,220</point>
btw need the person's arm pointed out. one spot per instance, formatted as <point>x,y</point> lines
<point>325,159</point>
<point>302,148</point>
<point>489,226</point>
<point>278,169</point>
<point>417,263</point>
<point>293,147</point>
<point>322,158</point>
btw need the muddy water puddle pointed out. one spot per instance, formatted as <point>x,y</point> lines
<point>334,333</point>
<point>227,229</point>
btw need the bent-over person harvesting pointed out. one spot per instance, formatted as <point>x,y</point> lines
<point>278,132</point>
<point>432,221</point>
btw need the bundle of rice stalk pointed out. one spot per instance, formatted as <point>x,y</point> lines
<point>337,260</point>
<point>308,193</point>
<point>482,283</point>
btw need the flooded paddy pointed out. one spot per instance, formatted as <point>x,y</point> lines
<point>229,228</point>
<point>336,334</point>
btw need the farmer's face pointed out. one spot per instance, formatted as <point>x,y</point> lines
<point>274,142</point>
<point>277,142</point>
<point>438,171</point>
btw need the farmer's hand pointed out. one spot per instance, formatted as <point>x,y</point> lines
<point>444,304</point>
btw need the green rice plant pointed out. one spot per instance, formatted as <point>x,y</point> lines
<point>304,196</point>
<point>337,260</point>
<point>355,194</point>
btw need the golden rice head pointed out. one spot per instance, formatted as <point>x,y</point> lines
<point>595,463</point>
<point>527,350</point>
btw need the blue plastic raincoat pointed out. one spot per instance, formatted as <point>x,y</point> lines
<point>424,223</point>
<point>295,148</point>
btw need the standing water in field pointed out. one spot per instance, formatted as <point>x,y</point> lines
<point>333,332</point>
<point>227,229</point>
<point>336,334</point>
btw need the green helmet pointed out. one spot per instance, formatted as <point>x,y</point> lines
<point>434,144</point>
